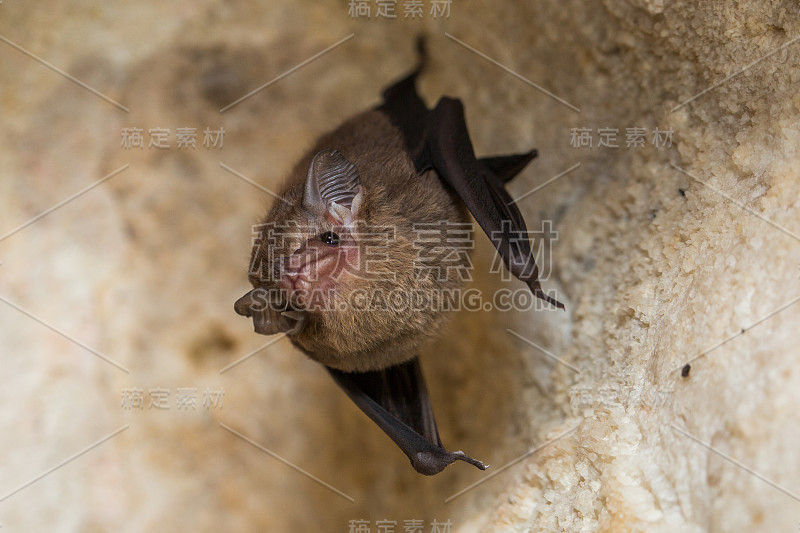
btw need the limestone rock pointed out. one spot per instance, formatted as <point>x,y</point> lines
<point>683,250</point>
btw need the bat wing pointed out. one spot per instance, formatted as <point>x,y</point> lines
<point>505,167</point>
<point>450,151</point>
<point>396,399</point>
<point>438,139</point>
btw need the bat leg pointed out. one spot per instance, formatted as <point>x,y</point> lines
<point>397,400</point>
<point>450,152</point>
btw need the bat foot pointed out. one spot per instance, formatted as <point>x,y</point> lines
<point>474,462</point>
<point>431,463</point>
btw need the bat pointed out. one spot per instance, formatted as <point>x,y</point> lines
<point>346,229</point>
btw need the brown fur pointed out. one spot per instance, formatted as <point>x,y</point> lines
<point>395,196</point>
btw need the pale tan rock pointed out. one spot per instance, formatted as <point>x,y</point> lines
<point>145,268</point>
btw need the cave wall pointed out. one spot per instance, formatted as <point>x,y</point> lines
<point>664,253</point>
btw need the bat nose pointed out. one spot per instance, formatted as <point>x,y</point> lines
<point>244,305</point>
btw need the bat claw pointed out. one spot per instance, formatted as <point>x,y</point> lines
<point>539,293</point>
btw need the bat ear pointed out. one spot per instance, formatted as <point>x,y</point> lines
<point>333,187</point>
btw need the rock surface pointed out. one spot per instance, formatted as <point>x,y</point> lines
<point>666,253</point>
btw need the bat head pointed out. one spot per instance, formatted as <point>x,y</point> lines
<point>332,264</point>
<point>310,253</point>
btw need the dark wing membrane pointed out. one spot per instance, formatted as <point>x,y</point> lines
<point>439,139</point>
<point>406,110</point>
<point>505,167</point>
<point>450,151</point>
<point>397,400</point>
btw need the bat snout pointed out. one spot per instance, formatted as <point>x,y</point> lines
<point>244,305</point>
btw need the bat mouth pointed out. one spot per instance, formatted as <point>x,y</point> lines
<point>268,316</point>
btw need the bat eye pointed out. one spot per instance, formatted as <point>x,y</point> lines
<point>330,238</point>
